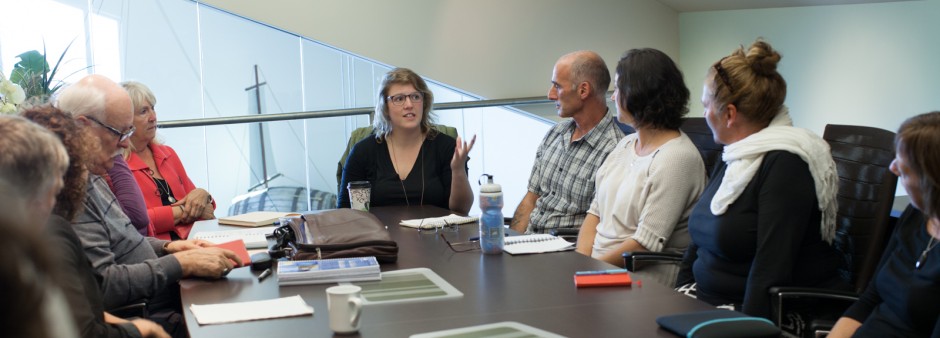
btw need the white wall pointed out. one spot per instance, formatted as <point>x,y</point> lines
<point>491,48</point>
<point>867,64</point>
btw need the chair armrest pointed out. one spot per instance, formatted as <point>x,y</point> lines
<point>779,295</point>
<point>568,234</point>
<point>630,259</point>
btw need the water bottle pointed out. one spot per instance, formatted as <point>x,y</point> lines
<point>491,222</point>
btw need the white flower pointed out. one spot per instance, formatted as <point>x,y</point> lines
<point>8,108</point>
<point>12,92</point>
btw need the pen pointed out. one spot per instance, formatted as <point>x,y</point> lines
<point>600,272</point>
<point>264,274</point>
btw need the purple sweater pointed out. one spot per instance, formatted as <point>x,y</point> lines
<point>128,194</point>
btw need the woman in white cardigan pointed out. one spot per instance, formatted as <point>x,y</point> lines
<point>648,184</point>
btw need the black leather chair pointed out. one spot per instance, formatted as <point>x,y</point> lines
<point>866,195</point>
<point>701,135</point>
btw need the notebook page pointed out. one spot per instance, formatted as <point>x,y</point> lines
<point>539,243</point>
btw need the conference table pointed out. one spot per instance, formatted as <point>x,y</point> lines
<point>536,290</point>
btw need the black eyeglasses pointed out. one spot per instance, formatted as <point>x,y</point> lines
<point>462,246</point>
<point>400,98</point>
<point>723,75</point>
<point>121,136</point>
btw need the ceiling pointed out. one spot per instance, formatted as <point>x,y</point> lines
<point>715,5</point>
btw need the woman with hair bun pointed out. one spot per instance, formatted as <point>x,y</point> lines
<point>767,215</point>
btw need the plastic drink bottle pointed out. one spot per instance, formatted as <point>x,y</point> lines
<point>491,222</point>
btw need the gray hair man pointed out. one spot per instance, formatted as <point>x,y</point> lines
<point>133,267</point>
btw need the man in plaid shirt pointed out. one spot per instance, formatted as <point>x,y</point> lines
<point>561,185</point>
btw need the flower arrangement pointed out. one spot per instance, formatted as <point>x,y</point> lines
<point>31,81</point>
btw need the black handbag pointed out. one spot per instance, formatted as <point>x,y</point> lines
<point>336,234</point>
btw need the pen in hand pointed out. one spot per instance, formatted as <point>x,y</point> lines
<point>264,274</point>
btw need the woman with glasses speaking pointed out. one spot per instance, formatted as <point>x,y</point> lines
<point>173,201</point>
<point>406,161</point>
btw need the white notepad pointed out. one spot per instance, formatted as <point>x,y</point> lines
<point>255,218</point>
<point>437,222</point>
<point>529,244</point>
<point>247,311</point>
<point>254,238</point>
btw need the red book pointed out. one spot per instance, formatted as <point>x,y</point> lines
<point>610,279</point>
<point>238,246</point>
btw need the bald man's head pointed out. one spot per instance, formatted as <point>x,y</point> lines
<point>587,66</point>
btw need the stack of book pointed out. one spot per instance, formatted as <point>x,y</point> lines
<point>328,271</point>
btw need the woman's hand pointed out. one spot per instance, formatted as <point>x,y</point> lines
<point>459,162</point>
<point>196,206</point>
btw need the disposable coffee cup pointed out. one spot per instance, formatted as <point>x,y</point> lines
<point>359,194</point>
<point>344,304</point>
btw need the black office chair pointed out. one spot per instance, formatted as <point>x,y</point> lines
<point>701,135</point>
<point>696,128</point>
<point>866,196</point>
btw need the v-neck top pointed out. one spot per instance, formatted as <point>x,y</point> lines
<point>429,179</point>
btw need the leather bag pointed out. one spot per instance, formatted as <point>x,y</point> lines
<point>337,234</point>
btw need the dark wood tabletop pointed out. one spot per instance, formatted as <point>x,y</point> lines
<point>536,290</point>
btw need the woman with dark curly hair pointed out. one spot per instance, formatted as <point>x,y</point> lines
<point>80,148</point>
<point>648,184</point>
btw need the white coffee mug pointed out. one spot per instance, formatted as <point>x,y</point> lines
<point>344,304</point>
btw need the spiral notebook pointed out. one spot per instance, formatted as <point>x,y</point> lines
<point>530,244</point>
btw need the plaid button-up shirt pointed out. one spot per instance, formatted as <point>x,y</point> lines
<point>563,173</point>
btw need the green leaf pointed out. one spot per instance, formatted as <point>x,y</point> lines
<point>29,72</point>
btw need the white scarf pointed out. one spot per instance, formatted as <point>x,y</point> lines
<point>744,158</point>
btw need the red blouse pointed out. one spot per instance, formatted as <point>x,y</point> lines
<point>170,167</point>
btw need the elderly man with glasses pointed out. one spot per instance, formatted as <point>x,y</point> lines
<point>133,267</point>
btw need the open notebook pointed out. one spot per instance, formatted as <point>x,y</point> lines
<point>529,244</point>
<point>255,238</point>
<point>437,222</point>
<point>255,218</point>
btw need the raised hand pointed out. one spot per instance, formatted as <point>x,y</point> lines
<point>459,161</point>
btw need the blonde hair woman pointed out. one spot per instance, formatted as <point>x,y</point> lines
<point>406,161</point>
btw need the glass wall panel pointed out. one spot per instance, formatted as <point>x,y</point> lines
<point>204,63</point>
<point>238,56</point>
<point>325,87</point>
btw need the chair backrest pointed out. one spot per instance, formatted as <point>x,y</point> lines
<point>701,135</point>
<point>361,133</point>
<point>866,196</point>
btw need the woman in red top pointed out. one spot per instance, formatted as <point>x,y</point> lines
<point>173,202</point>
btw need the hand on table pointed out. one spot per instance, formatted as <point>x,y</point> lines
<point>207,262</point>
